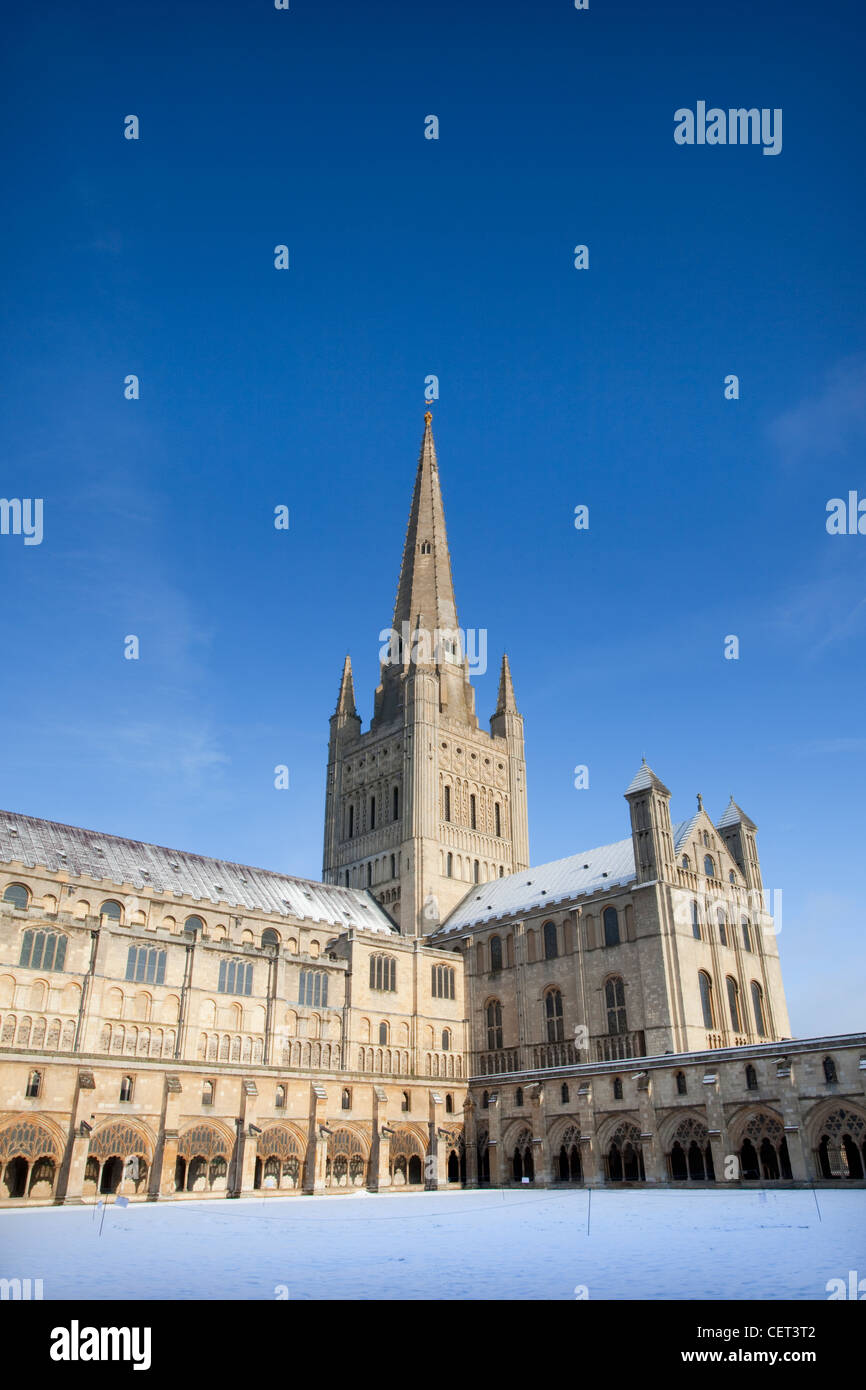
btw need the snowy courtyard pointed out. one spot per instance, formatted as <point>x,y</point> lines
<point>486,1244</point>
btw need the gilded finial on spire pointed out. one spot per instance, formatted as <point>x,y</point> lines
<point>428,417</point>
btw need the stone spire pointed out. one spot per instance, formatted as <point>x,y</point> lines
<point>425,583</point>
<point>506,703</point>
<point>346,698</point>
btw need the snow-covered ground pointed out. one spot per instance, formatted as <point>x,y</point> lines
<point>461,1245</point>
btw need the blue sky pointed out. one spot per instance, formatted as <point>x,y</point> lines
<point>557,387</point>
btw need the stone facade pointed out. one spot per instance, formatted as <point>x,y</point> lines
<point>435,1013</point>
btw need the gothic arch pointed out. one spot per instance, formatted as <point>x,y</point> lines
<point>122,1138</point>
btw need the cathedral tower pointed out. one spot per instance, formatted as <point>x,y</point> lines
<point>425,803</point>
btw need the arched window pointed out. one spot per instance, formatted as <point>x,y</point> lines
<point>696,921</point>
<point>485,1100</point>
<point>313,989</point>
<point>17,895</point>
<point>501,871</point>
<point>723,926</point>
<point>207,1093</point>
<point>42,950</point>
<point>709,866</point>
<point>564,1094</point>
<point>518,1097</point>
<point>551,949</point>
<point>610,918</point>
<point>732,877</point>
<point>346,1102</point>
<point>734,1003</point>
<point>393,866</point>
<point>193,926</point>
<point>706,987</point>
<point>706,838</point>
<point>447,800</point>
<point>449,1104</point>
<point>614,999</point>
<point>494,1024</point>
<point>383,1034</point>
<point>446,1039</point>
<point>830,1073</point>
<point>351,822</point>
<point>34,1084</point>
<point>235,977</point>
<point>687,863</point>
<point>495,953</point>
<point>497,819</point>
<point>383,973</point>
<point>111,911</point>
<point>449,865</point>
<point>476,871</point>
<point>758,1009</point>
<point>126,1088</point>
<point>617,1088</point>
<point>280,1098</point>
<point>682,1088</point>
<point>747,934</point>
<point>406,1103</point>
<point>553,1015</point>
<point>473,812</point>
<point>270,938</point>
<point>372,813</point>
<point>145,965</point>
<point>751,1078</point>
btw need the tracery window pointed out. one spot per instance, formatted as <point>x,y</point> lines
<point>146,964</point>
<point>443,982</point>
<point>235,977</point>
<point>313,988</point>
<point>553,1015</point>
<point>494,1025</point>
<point>383,973</point>
<point>43,950</point>
<point>614,998</point>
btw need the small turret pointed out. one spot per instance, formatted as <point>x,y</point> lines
<point>649,805</point>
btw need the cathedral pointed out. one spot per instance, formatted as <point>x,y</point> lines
<point>437,1012</point>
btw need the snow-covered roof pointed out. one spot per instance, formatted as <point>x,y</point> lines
<point>683,829</point>
<point>644,779</point>
<point>735,815</point>
<point>116,861</point>
<point>609,866</point>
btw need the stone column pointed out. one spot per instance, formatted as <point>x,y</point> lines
<point>470,1139</point>
<point>70,1182</point>
<point>801,1167</point>
<point>720,1143</point>
<point>384,1172</point>
<point>494,1142</point>
<point>435,1174</point>
<point>317,1143</point>
<point>591,1158</point>
<point>540,1146</point>
<point>653,1158</point>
